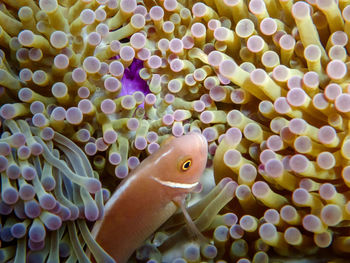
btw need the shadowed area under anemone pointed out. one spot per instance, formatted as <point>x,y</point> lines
<point>89,89</point>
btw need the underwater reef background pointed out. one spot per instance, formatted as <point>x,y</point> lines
<point>89,88</point>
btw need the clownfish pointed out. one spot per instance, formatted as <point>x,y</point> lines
<point>150,195</point>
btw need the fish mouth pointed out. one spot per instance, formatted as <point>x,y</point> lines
<point>204,142</point>
<point>202,139</point>
<point>202,146</point>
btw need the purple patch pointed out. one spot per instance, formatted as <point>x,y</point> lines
<point>131,81</point>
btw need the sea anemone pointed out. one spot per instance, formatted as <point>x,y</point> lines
<point>89,88</point>
<point>44,191</point>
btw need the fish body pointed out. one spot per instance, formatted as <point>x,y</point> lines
<point>148,196</point>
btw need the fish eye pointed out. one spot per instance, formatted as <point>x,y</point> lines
<point>186,165</point>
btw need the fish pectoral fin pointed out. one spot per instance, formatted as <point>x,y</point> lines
<point>197,189</point>
<point>193,229</point>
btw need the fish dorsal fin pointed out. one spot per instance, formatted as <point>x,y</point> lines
<point>167,140</point>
